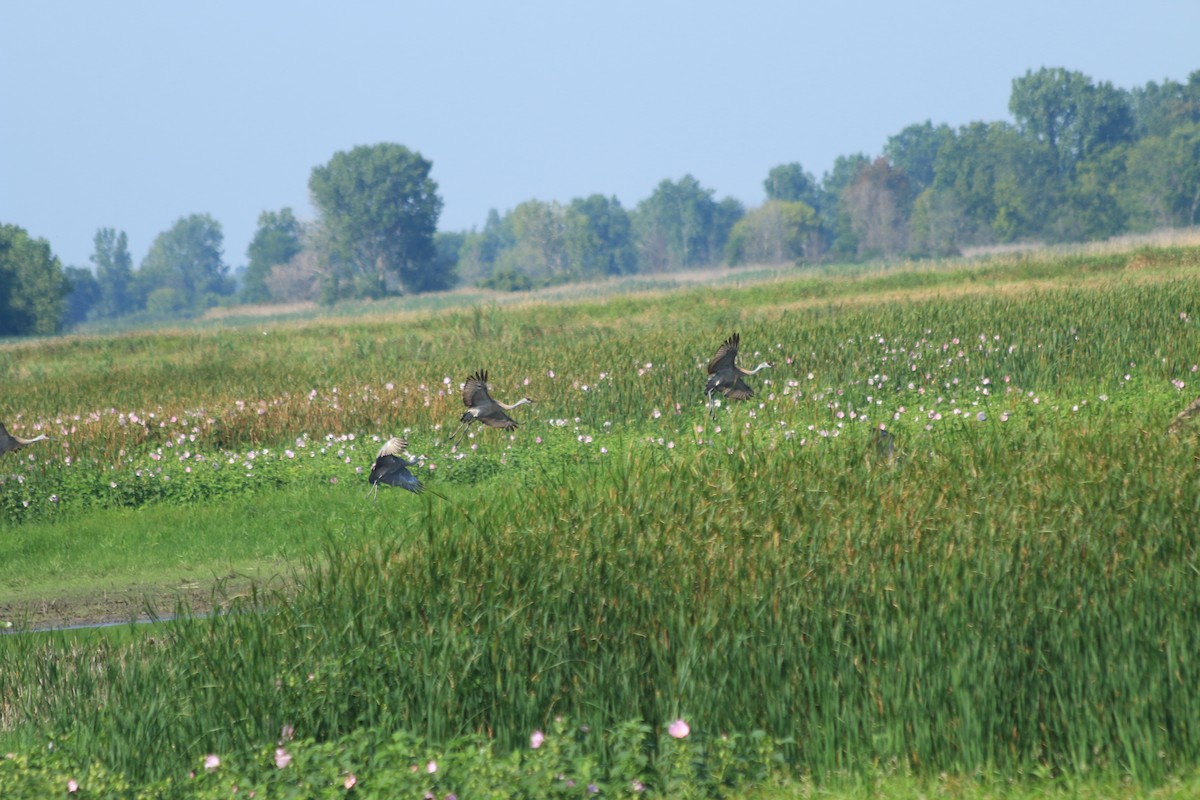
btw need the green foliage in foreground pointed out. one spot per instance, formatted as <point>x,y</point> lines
<point>559,762</point>
<point>562,764</point>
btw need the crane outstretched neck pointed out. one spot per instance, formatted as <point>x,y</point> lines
<point>507,407</point>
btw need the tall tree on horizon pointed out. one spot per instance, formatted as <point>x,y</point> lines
<point>1070,115</point>
<point>914,152</point>
<point>32,284</point>
<point>185,268</point>
<point>276,241</point>
<point>379,210</point>
<point>599,237</point>
<point>114,273</point>
<point>681,225</point>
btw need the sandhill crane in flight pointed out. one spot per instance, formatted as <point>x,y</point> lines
<point>9,443</point>
<point>391,468</point>
<point>482,408</point>
<point>725,376</point>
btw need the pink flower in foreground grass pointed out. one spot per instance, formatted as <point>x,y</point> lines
<point>72,786</point>
<point>679,729</point>
<point>211,762</point>
<point>282,757</point>
<point>350,781</point>
<point>537,739</point>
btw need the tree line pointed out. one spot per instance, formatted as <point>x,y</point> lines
<point>1081,160</point>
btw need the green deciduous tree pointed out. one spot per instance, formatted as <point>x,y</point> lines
<point>184,269</point>
<point>681,225</point>
<point>277,241</point>
<point>1092,207</point>
<point>539,247</point>
<point>1162,179</point>
<point>937,225</point>
<point>834,219</point>
<point>778,231</point>
<point>114,273</point>
<point>449,245</point>
<point>1070,115</point>
<point>914,152</point>
<point>378,212</point>
<point>599,237</point>
<point>82,296</point>
<point>32,285</point>
<point>790,183</point>
<point>480,249</point>
<point>1002,183</point>
<point>1160,108</point>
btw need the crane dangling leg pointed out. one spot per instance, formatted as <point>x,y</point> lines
<point>462,426</point>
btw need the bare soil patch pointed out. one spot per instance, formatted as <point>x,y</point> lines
<point>121,603</point>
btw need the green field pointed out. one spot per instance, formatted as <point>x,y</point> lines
<point>1005,607</point>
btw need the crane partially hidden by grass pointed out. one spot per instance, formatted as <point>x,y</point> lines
<point>9,443</point>
<point>725,376</point>
<point>481,407</point>
<point>882,450</point>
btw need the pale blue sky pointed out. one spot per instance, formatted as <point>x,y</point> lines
<point>123,114</point>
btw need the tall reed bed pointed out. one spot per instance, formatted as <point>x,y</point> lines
<point>990,605</point>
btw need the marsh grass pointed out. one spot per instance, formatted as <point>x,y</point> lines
<point>1015,591</point>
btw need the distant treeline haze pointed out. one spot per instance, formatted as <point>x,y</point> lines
<point>1082,161</point>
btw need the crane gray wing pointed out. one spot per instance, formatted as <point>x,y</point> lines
<point>495,417</point>
<point>393,471</point>
<point>739,391</point>
<point>475,390</point>
<point>725,356</point>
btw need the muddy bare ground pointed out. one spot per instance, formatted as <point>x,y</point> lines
<point>120,604</point>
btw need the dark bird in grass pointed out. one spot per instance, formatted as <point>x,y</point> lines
<point>725,376</point>
<point>391,468</point>
<point>883,446</point>
<point>481,407</point>
<point>9,443</point>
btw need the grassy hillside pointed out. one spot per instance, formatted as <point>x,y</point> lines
<point>1012,592</point>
